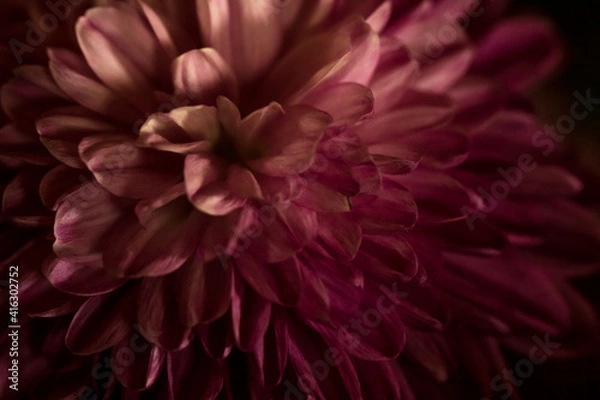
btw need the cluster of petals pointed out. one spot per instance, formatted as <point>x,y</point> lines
<point>230,185</point>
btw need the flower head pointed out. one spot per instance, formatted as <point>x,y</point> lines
<point>284,199</point>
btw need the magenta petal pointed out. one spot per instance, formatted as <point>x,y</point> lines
<point>146,364</point>
<point>394,210</point>
<point>320,197</point>
<point>101,322</point>
<point>503,293</point>
<point>284,232</point>
<point>18,146</point>
<point>61,135</point>
<point>206,290</point>
<point>184,382</point>
<point>21,201</point>
<point>391,259</point>
<point>250,315</point>
<point>126,170</point>
<point>278,282</point>
<point>39,298</point>
<point>290,141</point>
<point>530,46</point>
<point>306,345</point>
<point>58,183</point>
<point>157,248</point>
<point>271,359</point>
<point>438,148</point>
<point>340,236</point>
<point>413,111</point>
<point>217,337</point>
<point>353,102</point>
<point>158,323</point>
<point>83,279</point>
<point>82,220</point>
<point>363,58</point>
<point>395,72</point>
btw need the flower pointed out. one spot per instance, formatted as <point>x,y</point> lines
<point>268,200</point>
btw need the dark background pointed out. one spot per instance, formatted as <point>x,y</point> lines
<point>579,23</point>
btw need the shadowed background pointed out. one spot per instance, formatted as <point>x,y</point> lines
<point>579,24</point>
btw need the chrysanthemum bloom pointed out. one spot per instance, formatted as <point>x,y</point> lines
<point>289,200</point>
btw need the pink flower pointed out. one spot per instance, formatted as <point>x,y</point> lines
<point>271,200</point>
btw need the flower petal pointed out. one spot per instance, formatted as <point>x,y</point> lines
<point>76,79</point>
<point>82,279</point>
<point>279,283</point>
<point>246,34</point>
<point>250,314</point>
<point>101,322</point>
<point>519,52</point>
<point>159,325</point>
<point>206,290</point>
<point>202,75</point>
<point>127,170</point>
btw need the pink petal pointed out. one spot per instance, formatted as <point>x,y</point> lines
<point>202,75</point>
<point>352,102</point>
<point>58,183</point>
<point>247,35</point>
<point>217,337</point>
<point>279,283</point>
<point>363,58</point>
<point>82,279</point>
<point>184,382</point>
<point>157,322</point>
<point>290,141</point>
<point>82,220</point>
<point>101,322</point>
<point>185,130</point>
<point>250,314</point>
<point>320,56</point>
<point>413,111</point>
<point>528,43</point>
<point>206,186</point>
<point>21,203</point>
<point>391,259</point>
<point>75,78</point>
<point>61,135</point>
<point>322,198</point>
<point>271,356</point>
<point>396,70</point>
<point>126,170</point>
<point>145,366</point>
<point>340,236</point>
<point>127,66</point>
<point>438,148</point>
<point>161,246</point>
<point>393,210</point>
<point>206,290</point>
